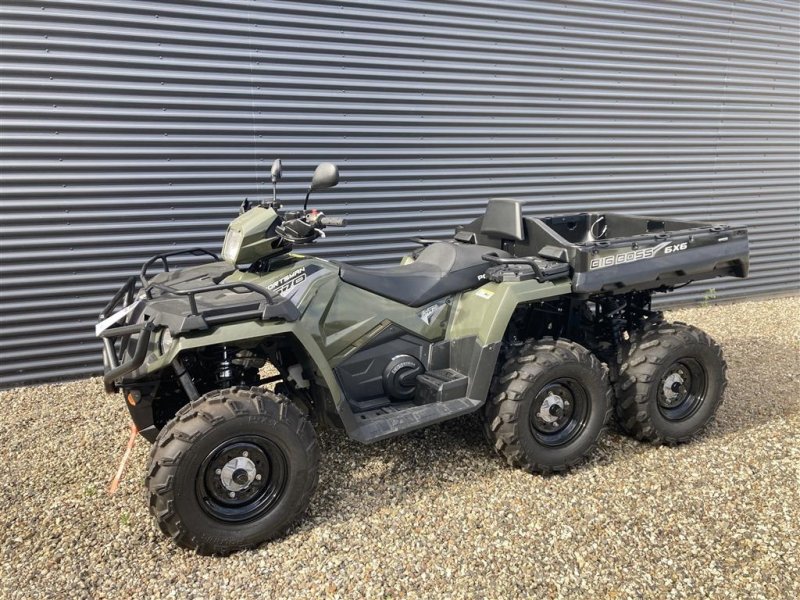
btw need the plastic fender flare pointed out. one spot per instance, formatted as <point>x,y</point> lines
<point>250,332</point>
<point>486,311</point>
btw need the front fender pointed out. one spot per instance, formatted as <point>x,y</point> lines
<point>245,333</point>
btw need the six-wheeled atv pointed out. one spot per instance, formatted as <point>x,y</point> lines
<point>544,325</point>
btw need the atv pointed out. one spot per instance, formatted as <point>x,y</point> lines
<point>542,325</point>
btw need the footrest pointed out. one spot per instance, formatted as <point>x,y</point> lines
<point>383,426</point>
<point>440,386</point>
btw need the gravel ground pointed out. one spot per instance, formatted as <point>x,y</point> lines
<point>436,513</point>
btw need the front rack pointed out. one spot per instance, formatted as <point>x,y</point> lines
<point>165,255</point>
<point>126,296</point>
<point>128,289</point>
<point>235,287</point>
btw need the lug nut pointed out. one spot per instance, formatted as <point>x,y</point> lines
<point>219,471</point>
<point>232,494</point>
<point>245,453</point>
<point>258,476</point>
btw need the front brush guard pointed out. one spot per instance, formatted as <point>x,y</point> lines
<point>116,369</point>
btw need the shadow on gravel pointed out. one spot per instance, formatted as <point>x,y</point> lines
<point>763,385</point>
<point>357,480</point>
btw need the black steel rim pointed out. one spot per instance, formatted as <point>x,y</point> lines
<point>559,412</point>
<point>682,389</point>
<point>235,495</point>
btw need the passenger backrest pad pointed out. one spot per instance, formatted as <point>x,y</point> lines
<point>503,220</point>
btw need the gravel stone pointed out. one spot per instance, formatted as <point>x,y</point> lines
<point>436,513</point>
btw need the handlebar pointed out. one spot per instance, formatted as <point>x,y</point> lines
<point>303,227</point>
<point>332,221</point>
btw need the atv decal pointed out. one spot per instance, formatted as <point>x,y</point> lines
<point>676,247</point>
<point>287,282</point>
<point>634,255</point>
<point>430,313</point>
<point>296,282</point>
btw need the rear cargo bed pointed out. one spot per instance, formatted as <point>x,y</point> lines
<point>610,252</point>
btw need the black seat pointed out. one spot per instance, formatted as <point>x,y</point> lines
<point>440,269</point>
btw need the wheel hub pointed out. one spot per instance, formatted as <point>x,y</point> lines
<point>559,412</point>
<point>552,409</point>
<point>674,387</point>
<point>242,478</point>
<point>238,474</point>
<point>682,389</point>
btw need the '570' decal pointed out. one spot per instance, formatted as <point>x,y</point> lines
<point>287,282</point>
<point>634,255</point>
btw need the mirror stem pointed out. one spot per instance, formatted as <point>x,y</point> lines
<point>305,204</point>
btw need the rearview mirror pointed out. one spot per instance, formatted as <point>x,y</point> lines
<point>326,175</point>
<point>277,170</point>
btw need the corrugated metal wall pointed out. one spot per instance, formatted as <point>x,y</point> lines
<point>130,127</point>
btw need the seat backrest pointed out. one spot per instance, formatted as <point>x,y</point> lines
<point>503,219</point>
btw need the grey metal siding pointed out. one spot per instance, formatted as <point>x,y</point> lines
<point>131,127</point>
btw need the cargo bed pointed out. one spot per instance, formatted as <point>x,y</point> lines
<point>611,252</point>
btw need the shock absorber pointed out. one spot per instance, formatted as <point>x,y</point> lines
<point>233,366</point>
<point>225,368</point>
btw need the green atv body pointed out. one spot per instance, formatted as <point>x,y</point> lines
<point>364,350</point>
<point>542,317</point>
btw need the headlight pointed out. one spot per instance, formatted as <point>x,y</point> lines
<point>232,245</point>
<point>166,341</point>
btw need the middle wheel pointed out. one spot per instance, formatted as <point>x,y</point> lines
<point>550,404</point>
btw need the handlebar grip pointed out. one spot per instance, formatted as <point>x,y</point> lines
<point>332,222</point>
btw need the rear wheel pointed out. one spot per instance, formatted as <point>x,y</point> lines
<point>671,383</point>
<point>550,404</point>
<point>232,470</point>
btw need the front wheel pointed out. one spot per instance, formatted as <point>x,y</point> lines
<point>550,405</point>
<point>232,470</point>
